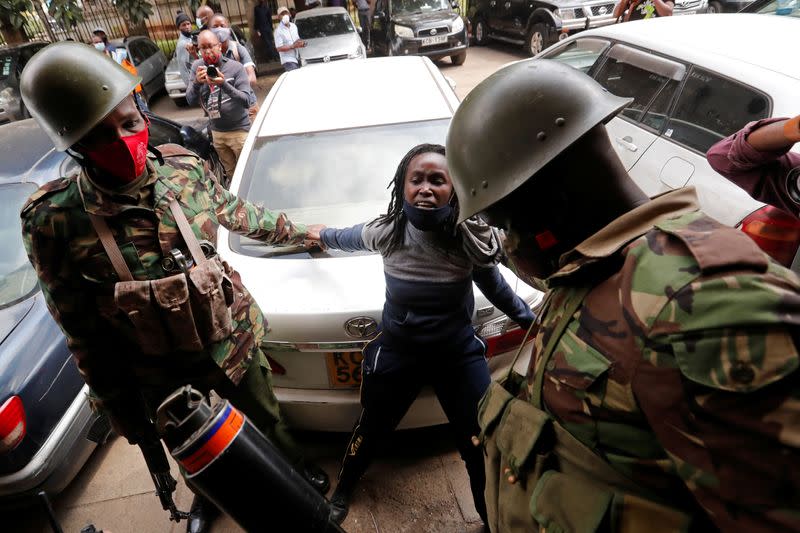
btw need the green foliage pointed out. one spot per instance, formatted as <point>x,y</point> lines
<point>11,12</point>
<point>136,11</point>
<point>167,46</point>
<point>66,12</point>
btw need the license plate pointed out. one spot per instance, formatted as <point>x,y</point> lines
<point>344,369</point>
<point>439,39</point>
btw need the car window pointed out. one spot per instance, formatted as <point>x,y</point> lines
<point>789,8</point>
<point>343,184</point>
<point>632,73</point>
<point>410,7</point>
<point>324,26</point>
<point>711,107</point>
<point>137,53</point>
<point>17,276</point>
<point>163,132</point>
<point>150,49</point>
<point>581,54</point>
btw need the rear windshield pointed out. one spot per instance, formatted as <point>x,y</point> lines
<point>336,178</point>
<point>17,277</point>
<point>324,26</point>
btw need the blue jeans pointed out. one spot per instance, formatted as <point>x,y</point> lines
<point>290,66</point>
<point>391,380</point>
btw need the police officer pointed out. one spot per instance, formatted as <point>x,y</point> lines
<point>662,393</point>
<point>83,101</point>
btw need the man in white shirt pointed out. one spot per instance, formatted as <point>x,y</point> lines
<point>287,40</point>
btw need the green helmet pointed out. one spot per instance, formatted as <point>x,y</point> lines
<point>69,88</point>
<point>515,122</point>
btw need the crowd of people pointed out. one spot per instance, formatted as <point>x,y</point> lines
<point>662,391</point>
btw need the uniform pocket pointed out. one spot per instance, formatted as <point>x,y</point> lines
<point>172,298</point>
<point>133,299</point>
<point>209,303</point>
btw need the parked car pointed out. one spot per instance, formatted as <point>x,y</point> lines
<point>330,35</point>
<point>47,428</point>
<point>690,93</point>
<point>691,7</point>
<point>149,60</point>
<point>430,28</point>
<point>789,8</point>
<point>323,306</point>
<point>12,60</point>
<point>536,24</point>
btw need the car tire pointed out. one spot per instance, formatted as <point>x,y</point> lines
<point>481,33</point>
<point>459,59</point>
<point>714,7</point>
<point>537,39</point>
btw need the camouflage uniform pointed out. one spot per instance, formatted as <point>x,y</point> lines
<point>678,371</point>
<point>77,279</point>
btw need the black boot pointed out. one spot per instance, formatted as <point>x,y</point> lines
<point>317,477</point>
<point>202,514</point>
<point>340,503</point>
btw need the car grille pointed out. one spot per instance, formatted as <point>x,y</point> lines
<point>602,10</point>
<point>579,14</point>
<point>331,58</point>
<point>691,4</point>
<point>427,32</point>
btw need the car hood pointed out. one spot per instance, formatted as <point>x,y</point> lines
<point>11,316</point>
<point>27,153</point>
<point>330,46</point>
<point>425,19</point>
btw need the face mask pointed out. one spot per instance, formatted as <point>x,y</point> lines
<point>199,22</point>
<point>211,57</point>
<point>121,160</point>
<point>223,34</point>
<point>186,33</point>
<point>427,219</point>
<point>100,47</point>
<point>285,20</point>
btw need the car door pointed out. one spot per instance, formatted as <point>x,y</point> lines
<point>380,25</point>
<point>709,108</point>
<point>153,58</point>
<point>138,56</point>
<point>651,81</point>
<point>499,14</point>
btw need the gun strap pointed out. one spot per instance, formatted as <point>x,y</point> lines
<point>111,248</point>
<point>188,235</point>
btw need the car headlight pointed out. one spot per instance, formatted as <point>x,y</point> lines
<point>173,77</point>
<point>403,31</point>
<point>358,53</point>
<point>557,12</point>
<point>458,25</point>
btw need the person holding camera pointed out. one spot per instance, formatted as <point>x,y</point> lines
<point>287,40</point>
<point>757,159</point>
<point>627,10</point>
<point>221,87</point>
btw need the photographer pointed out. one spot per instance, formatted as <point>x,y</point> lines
<point>231,48</point>
<point>757,159</point>
<point>221,87</point>
<point>627,10</point>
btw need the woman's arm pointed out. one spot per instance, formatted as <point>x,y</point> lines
<point>495,288</point>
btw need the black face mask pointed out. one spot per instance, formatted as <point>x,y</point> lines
<point>187,33</point>
<point>427,219</point>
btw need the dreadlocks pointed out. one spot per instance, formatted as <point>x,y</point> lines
<point>394,213</point>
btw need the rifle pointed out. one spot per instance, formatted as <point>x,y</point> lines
<point>157,464</point>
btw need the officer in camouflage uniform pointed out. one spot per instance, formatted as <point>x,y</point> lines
<point>663,391</point>
<point>83,101</point>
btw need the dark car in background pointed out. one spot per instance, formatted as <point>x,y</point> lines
<point>47,428</point>
<point>430,28</point>
<point>149,60</point>
<point>12,60</point>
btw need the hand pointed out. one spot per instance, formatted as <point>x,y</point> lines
<point>201,75</point>
<point>299,44</point>
<point>219,80</point>
<point>313,232</point>
<point>258,33</point>
<point>191,49</point>
<point>791,129</point>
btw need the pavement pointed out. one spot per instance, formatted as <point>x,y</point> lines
<point>418,483</point>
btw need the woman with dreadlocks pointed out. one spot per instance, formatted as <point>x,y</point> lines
<point>426,333</point>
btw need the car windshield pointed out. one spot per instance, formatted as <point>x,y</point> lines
<point>789,8</point>
<point>8,62</point>
<point>17,277</point>
<point>409,7</point>
<point>324,26</point>
<point>336,178</point>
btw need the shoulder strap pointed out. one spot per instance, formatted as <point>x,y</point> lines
<point>186,231</point>
<point>571,305</point>
<point>111,248</point>
<point>235,51</point>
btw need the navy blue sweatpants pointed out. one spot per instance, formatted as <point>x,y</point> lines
<point>391,380</point>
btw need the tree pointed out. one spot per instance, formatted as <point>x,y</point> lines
<point>11,20</point>
<point>136,11</point>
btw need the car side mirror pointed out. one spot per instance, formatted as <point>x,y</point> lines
<point>455,5</point>
<point>380,15</point>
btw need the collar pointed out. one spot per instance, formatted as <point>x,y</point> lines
<point>102,201</point>
<point>630,226</point>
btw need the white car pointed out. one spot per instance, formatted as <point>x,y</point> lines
<point>321,162</point>
<point>329,34</point>
<point>693,83</point>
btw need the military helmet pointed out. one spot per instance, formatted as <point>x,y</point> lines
<point>69,88</point>
<point>515,122</point>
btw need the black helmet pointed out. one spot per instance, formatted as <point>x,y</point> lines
<point>515,122</point>
<point>69,88</point>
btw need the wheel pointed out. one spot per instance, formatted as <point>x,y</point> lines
<point>481,33</point>
<point>180,102</point>
<point>459,59</point>
<point>537,39</point>
<point>714,7</point>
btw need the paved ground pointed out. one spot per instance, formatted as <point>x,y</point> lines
<point>418,484</point>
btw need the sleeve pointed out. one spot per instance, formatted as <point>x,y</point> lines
<point>184,63</point>
<point>720,389</point>
<point>278,39</point>
<point>193,89</point>
<point>240,91</point>
<point>244,57</point>
<point>347,239</point>
<point>493,285</point>
<point>760,174</point>
<point>249,220</point>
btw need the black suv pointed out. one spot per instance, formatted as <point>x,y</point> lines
<point>536,24</point>
<point>430,28</point>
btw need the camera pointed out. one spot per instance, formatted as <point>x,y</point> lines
<point>212,71</point>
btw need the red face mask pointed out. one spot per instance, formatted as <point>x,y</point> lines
<point>211,57</point>
<point>123,159</point>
